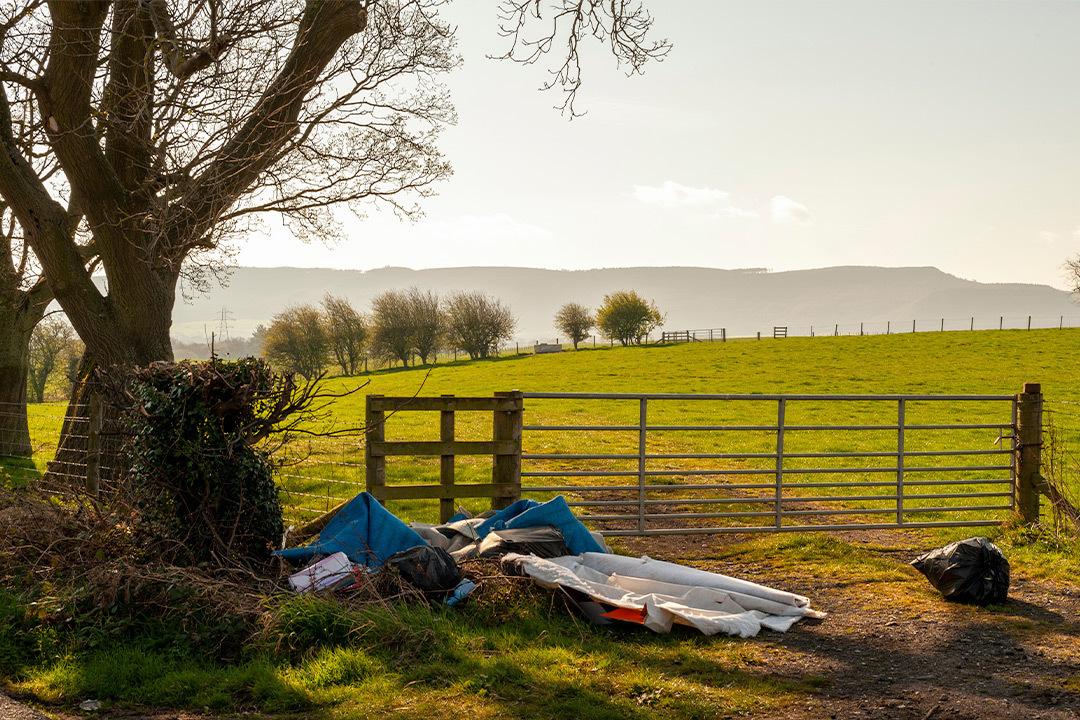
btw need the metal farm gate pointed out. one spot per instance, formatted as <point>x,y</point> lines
<point>655,464</point>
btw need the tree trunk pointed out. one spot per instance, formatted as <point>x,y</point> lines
<point>14,365</point>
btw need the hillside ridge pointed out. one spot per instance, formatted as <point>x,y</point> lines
<point>743,300</point>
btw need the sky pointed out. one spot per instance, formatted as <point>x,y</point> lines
<point>779,134</point>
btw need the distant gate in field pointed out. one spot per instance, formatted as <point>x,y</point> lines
<point>675,464</point>
<point>678,336</point>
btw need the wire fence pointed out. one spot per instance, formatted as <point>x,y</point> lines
<point>894,327</point>
<point>1061,461</point>
<point>31,450</point>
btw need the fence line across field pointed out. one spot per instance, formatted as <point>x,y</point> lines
<point>887,467</point>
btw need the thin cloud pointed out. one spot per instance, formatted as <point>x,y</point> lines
<point>673,194</point>
<point>1047,237</point>
<point>737,213</point>
<point>785,211</point>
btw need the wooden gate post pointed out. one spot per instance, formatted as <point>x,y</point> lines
<point>506,470</point>
<point>374,465</point>
<point>1028,451</point>
<point>446,462</point>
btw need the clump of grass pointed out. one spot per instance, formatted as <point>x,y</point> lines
<point>1041,551</point>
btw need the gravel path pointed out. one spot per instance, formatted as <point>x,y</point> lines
<point>11,710</point>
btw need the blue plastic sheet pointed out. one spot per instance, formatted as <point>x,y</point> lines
<point>368,533</point>
<point>529,513</point>
<point>364,530</point>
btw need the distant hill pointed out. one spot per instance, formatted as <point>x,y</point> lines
<point>743,301</point>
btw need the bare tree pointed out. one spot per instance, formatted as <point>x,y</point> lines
<point>51,343</point>
<point>297,341</point>
<point>575,321</point>
<point>1072,272</point>
<point>347,333</point>
<point>478,324</point>
<point>391,327</point>
<point>427,323</point>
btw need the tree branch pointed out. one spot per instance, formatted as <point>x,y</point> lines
<point>326,25</point>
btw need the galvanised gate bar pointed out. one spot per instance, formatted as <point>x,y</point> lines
<point>854,479</point>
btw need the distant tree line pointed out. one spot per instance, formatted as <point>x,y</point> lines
<point>402,326</point>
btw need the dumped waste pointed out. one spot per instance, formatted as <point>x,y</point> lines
<point>968,571</point>
<point>547,543</point>
<point>429,569</point>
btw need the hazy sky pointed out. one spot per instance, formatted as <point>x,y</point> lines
<point>777,134</point>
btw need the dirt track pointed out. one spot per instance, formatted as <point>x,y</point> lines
<point>897,650</point>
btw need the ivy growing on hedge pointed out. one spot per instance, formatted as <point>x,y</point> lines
<point>202,489</point>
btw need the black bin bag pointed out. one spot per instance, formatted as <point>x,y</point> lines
<point>968,571</point>
<point>429,569</point>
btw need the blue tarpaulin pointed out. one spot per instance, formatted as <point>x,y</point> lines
<point>368,533</point>
<point>364,530</point>
<point>529,513</point>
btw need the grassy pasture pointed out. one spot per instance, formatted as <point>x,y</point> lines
<point>321,472</point>
<point>988,362</point>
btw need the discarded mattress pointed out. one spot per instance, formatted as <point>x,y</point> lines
<point>663,594</point>
<point>364,530</point>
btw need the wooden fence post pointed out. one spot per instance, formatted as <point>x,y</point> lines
<point>375,432</point>
<point>446,462</point>
<point>1029,451</point>
<point>506,468</point>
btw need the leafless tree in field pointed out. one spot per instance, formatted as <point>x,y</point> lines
<point>347,331</point>
<point>51,343</point>
<point>478,324</point>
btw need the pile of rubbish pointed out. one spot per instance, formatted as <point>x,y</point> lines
<point>547,543</point>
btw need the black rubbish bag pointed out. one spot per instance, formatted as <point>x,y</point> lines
<point>427,568</point>
<point>969,571</point>
<point>543,541</point>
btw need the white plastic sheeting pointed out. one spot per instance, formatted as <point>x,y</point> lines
<point>670,593</point>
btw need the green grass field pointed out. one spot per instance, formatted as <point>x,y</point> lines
<point>944,363</point>
<point>320,472</point>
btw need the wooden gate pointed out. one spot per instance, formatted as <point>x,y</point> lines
<point>504,449</point>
